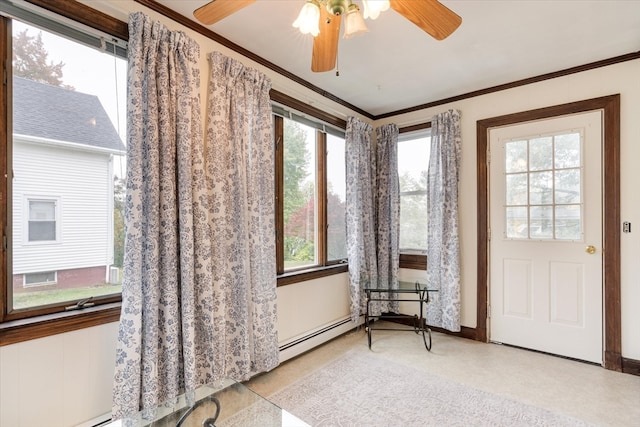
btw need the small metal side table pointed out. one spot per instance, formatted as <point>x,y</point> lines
<point>419,323</point>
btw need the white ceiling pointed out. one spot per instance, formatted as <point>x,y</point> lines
<point>397,66</point>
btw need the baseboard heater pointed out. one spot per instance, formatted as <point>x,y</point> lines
<point>317,337</point>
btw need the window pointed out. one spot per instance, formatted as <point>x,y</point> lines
<point>310,195</point>
<point>42,220</point>
<point>66,110</point>
<point>336,198</point>
<point>300,195</point>
<point>43,278</point>
<point>544,187</point>
<point>413,162</point>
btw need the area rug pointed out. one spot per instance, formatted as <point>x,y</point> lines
<point>359,389</point>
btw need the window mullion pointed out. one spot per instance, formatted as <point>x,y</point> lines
<point>6,292</point>
<point>321,150</point>
<point>278,134</point>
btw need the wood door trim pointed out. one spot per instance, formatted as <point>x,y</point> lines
<point>610,105</point>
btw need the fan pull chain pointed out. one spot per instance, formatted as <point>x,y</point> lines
<point>337,65</point>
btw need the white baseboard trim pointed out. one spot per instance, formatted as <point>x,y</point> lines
<point>316,337</point>
<point>98,421</point>
<point>288,350</point>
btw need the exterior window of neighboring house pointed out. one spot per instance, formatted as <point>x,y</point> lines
<point>42,223</point>
<point>66,153</point>
<point>413,162</point>
<point>310,194</point>
<point>41,278</point>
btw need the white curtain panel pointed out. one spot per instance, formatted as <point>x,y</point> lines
<point>194,310</point>
<point>443,246</point>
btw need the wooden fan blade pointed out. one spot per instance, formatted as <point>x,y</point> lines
<point>430,15</point>
<point>216,10</point>
<point>325,44</point>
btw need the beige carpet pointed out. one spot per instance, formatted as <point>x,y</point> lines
<point>358,389</point>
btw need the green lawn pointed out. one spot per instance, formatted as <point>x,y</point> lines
<point>297,263</point>
<point>36,298</point>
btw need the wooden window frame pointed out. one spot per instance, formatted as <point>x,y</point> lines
<point>409,260</point>
<point>16,326</point>
<point>323,267</point>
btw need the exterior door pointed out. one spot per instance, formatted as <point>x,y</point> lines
<point>545,284</point>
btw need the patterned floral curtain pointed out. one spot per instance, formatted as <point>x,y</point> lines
<point>163,143</point>
<point>443,247</point>
<point>184,321</point>
<point>241,172</point>
<point>372,206</point>
<point>388,205</point>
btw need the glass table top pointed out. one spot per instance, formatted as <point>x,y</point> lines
<point>235,405</point>
<point>405,286</point>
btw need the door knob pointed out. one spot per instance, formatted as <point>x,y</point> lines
<point>590,250</point>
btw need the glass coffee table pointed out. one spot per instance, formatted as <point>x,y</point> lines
<point>229,404</point>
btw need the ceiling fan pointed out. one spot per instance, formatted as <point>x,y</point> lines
<point>322,18</point>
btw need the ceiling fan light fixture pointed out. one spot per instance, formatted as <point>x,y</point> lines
<point>373,8</point>
<point>337,7</point>
<point>354,22</point>
<point>309,18</point>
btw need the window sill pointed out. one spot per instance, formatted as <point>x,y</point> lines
<point>413,261</point>
<point>311,273</point>
<point>16,331</point>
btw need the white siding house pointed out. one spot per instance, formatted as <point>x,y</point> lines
<point>63,154</point>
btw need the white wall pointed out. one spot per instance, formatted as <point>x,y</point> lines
<point>67,377</point>
<point>307,306</point>
<point>65,380</point>
<point>62,380</point>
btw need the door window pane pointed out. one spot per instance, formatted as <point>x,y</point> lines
<point>517,222</point>
<point>541,222</point>
<point>567,222</point>
<point>567,187</point>
<point>549,183</point>
<point>540,188</point>
<point>517,189</point>
<point>516,156</point>
<point>540,154</point>
<point>567,151</point>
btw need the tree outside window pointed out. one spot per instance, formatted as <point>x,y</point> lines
<point>312,206</point>
<point>299,195</point>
